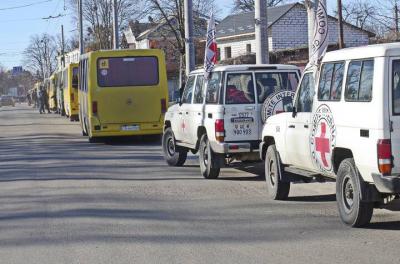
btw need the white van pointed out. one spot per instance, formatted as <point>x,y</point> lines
<point>345,125</point>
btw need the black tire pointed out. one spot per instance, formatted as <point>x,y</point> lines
<point>349,186</point>
<point>276,188</point>
<point>209,161</point>
<point>173,154</point>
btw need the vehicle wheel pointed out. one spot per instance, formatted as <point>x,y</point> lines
<point>209,162</point>
<point>173,154</point>
<point>277,189</point>
<point>349,186</point>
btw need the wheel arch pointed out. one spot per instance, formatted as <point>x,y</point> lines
<point>201,130</point>
<point>268,141</point>
<point>338,155</point>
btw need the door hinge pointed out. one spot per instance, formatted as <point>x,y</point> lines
<point>391,126</point>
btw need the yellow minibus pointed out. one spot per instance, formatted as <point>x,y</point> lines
<point>51,88</point>
<point>70,91</point>
<point>122,93</point>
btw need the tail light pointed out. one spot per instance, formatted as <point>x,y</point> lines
<point>385,156</point>
<point>72,97</point>
<point>163,106</point>
<point>94,107</point>
<point>219,130</point>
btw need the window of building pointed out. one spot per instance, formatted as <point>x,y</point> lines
<point>218,54</point>
<point>248,48</point>
<point>228,52</point>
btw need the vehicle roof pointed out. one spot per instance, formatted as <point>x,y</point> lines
<point>245,67</point>
<point>370,51</point>
<point>123,52</point>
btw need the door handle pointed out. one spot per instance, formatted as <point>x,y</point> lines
<point>187,113</point>
<point>305,126</point>
<point>180,113</point>
<point>292,126</point>
<point>209,115</point>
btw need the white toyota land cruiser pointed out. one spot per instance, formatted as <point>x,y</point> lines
<point>344,126</point>
<point>227,123</point>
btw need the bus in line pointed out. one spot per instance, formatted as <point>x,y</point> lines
<point>70,91</point>
<point>122,93</point>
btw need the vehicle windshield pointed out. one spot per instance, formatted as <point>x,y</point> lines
<point>127,71</point>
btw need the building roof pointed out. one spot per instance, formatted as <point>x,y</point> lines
<point>370,51</point>
<point>243,23</point>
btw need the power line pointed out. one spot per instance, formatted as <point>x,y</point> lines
<point>26,5</point>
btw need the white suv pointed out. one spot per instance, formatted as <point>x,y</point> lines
<point>345,126</point>
<point>227,123</point>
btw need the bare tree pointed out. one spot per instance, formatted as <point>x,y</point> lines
<point>248,5</point>
<point>170,17</point>
<point>40,55</point>
<point>98,17</point>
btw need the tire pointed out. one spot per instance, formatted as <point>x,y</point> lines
<point>209,161</point>
<point>276,188</point>
<point>352,210</point>
<point>173,154</point>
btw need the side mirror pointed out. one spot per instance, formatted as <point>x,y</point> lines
<point>294,112</point>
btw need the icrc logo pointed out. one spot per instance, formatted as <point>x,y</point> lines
<point>323,138</point>
<point>276,103</point>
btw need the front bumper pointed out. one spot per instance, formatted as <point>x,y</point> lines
<point>387,184</point>
<point>232,147</point>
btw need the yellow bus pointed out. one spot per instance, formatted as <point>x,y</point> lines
<point>122,93</point>
<point>70,91</point>
<point>50,85</point>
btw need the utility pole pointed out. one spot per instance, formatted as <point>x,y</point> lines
<point>80,18</point>
<point>396,19</point>
<point>261,30</point>
<point>189,47</point>
<point>340,20</point>
<point>62,47</point>
<point>115,25</point>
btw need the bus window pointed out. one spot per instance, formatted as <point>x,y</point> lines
<point>75,77</point>
<point>127,71</point>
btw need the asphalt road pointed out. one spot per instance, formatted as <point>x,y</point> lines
<point>63,200</point>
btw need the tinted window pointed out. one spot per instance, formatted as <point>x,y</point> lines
<point>396,87</point>
<point>188,91</point>
<point>127,71</point>
<point>213,88</point>
<point>360,80</point>
<point>240,89</point>
<point>269,83</point>
<point>199,90</point>
<point>305,95</point>
<point>331,80</point>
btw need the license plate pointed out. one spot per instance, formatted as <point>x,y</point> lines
<point>242,120</point>
<point>130,128</point>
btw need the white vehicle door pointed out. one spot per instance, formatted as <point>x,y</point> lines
<point>395,111</point>
<point>298,126</point>
<point>241,119</point>
<point>182,124</point>
<point>196,111</point>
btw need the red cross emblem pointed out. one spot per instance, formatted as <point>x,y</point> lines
<point>322,145</point>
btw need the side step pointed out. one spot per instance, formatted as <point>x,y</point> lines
<point>304,175</point>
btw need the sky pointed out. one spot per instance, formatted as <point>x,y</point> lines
<point>18,24</point>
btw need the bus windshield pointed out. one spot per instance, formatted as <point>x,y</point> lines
<point>127,71</point>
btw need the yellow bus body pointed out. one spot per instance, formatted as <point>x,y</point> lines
<point>122,110</point>
<point>70,91</point>
<point>52,91</point>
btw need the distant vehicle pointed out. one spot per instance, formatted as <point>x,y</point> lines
<point>7,100</point>
<point>344,126</point>
<point>226,124</point>
<point>122,93</point>
<point>70,91</point>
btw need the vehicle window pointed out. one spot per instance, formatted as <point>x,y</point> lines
<point>213,88</point>
<point>269,83</point>
<point>188,91</point>
<point>305,94</point>
<point>359,81</point>
<point>396,87</point>
<point>127,71</point>
<point>75,77</point>
<point>199,90</point>
<point>240,88</point>
<point>331,81</point>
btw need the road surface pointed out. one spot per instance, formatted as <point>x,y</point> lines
<point>63,200</point>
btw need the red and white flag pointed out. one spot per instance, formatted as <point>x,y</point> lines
<point>210,56</point>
